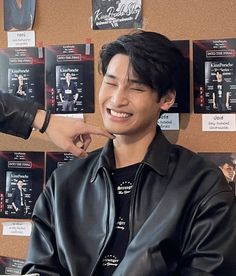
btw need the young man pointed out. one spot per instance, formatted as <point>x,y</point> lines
<point>18,199</point>
<point>68,93</point>
<point>227,165</point>
<point>220,97</point>
<point>140,205</point>
<point>21,90</point>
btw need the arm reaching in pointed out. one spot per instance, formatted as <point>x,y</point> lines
<point>70,134</point>
<point>18,116</point>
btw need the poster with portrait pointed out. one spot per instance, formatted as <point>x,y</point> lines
<point>22,73</point>
<point>226,161</point>
<point>55,160</point>
<point>21,182</point>
<point>182,101</point>
<point>117,14</point>
<point>70,78</point>
<point>18,14</point>
<point>214,64</point>
<point>10,266</point>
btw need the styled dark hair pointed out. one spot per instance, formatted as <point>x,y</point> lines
<point>219,71</point>
<point>154,58</point>
<point>225,159</point>
<point>18,180</point>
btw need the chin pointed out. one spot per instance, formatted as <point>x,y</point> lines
<point>112,130</point>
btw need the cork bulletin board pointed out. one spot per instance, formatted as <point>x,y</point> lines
<point>67,22</point>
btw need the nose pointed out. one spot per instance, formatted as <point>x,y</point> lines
<point>120,97</point>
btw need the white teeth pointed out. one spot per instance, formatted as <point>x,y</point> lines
<point>119,114</point>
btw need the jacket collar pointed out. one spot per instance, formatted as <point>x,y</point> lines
<point>157,156</point>
<point>158,153</point>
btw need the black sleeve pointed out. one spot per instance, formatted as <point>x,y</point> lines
<point>16,115</point>
<point>43,252</point>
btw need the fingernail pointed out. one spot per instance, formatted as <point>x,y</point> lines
<point>83,155</point>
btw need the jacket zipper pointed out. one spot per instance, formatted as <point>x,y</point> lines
<point>108,233</point>
<point>132,202</point>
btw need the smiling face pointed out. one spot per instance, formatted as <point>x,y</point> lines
<point>128,107</point>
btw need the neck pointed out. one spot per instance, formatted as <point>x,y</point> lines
<point>19,3</point>
<point>130,151</point>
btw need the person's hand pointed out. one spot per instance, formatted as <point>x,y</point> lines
<point>72,134</point>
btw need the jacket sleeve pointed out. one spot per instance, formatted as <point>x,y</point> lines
<point>209,247</point>
<point>16,115</point>
<point>42,253</point>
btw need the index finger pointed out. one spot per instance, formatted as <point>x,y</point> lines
<point>99,131</point>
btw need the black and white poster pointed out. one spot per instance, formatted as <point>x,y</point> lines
<point>226,161</point>
<point>19,15</point>
<point>70,78</point>
<point>214,76</point>
<point>55,160</point>
<point>22,73</point>
<point>21,182</point>
<point>117,14</point>
<point>10,266</point>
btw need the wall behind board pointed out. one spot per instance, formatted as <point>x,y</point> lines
<point>66,22</point>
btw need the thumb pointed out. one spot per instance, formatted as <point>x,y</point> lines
<point>77,151</point>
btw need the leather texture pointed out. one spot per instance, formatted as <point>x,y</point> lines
<point>182,217</point>
<point>16,115</point>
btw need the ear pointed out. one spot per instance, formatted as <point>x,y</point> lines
<point>168,100</point>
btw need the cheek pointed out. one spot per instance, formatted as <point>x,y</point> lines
<point>101,98</point>
<point>100,102</point>
<point>151,106</point>
<point>100,95</point>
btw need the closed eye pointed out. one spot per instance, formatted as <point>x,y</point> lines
<point>110,83</point>
<point>137,89</point>
<point>137,86</point>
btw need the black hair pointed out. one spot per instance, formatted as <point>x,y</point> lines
<point>219,71</point>
<point>225,159</point>
<point>154,58</point>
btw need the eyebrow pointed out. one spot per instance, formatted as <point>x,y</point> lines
<point>136,81</point>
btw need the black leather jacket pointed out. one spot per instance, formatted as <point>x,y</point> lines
<point>182,217</point>
<point>16,115</point>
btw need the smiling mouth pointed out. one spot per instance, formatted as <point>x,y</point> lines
<point>118,114</point>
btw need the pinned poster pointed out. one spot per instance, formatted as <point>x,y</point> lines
<point>21,182</point>
<point>70,78</point>
<point>226,161</point>
<point>10,266</point>
<point>22,73</point>
<point>19,15</point>
<point>214,75</point>
<point>113,14</point>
